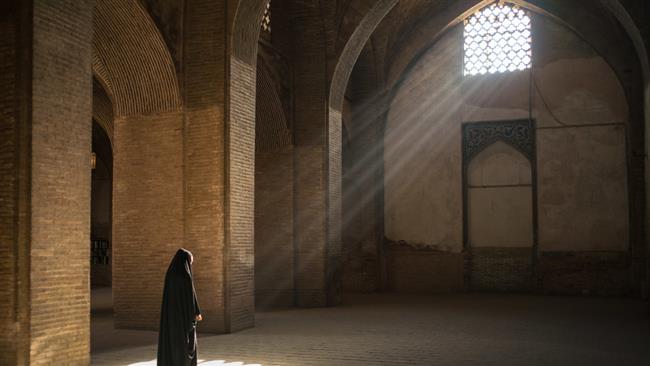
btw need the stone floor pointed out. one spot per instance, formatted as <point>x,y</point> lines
<point>390,329</point>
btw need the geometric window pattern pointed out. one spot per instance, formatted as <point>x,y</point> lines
<point>497,39</point>
<point>266,20</point>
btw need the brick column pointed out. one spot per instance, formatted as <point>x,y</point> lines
<point>45,106</point>
<point>647,187</point>
<point>184,169</point>
<point>316,168</point>
<point>219,131</point>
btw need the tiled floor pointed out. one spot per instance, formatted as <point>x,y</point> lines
<point>387,329</point>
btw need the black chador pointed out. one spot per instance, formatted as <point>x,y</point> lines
<point>178,314</point>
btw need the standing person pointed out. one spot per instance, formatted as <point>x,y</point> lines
<point>179,314</point>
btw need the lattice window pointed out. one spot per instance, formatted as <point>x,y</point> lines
<point>497,39</point>
<point>266,20</point>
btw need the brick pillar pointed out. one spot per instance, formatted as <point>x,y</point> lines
<point>637,191</point>
<point>14,349</point>
<point>147,213</point>
<point>647,187</point>
<point>316,168</point>
<point>219,132</point>
<point>45,108</point>
<point>184,170</point>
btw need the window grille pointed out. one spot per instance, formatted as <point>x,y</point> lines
<point>497,39</point>
<point>266,20</point>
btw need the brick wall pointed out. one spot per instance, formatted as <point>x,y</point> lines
<point>410,269</point>
<point>421,270</point>
<point>499,269</point>
<point>586,273</point>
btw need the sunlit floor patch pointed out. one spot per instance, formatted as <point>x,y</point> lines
<point>202,363</point>
<point>146,363</point>
<point>226,363</point>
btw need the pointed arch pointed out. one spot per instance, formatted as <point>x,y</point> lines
<point>131,59</point>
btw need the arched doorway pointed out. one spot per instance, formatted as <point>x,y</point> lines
<point>101,209</point>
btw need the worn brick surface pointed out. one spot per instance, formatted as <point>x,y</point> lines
<point>205,152</point>
<point>132,60</point>
<point>500,269</point>
<point>8,191</point>
<point>59,296</point>
<point>423,271</point>
<point>274,228</point>
<point>147,213</point>
<point>240,183</point>
<point>310,172</point>
<point>586,273</point>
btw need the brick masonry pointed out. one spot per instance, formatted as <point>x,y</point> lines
<point>499,269</point>
<point>185,154</point>
<point>414,270</point>
<point>132,60</point>
<point>240,190</point>
<point>274,247</point>
<point>310,179</point>
<point>147,219</point>
<point>274,254</point>
<point>184,178</point>
<point>586,273</point>
<point>9,322</point>
<point>47,214</point>
<point>204,136</point>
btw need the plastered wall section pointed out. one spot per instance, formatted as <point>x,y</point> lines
<point>500,198</point>
<point>582,176</point>
<point>422,153</point>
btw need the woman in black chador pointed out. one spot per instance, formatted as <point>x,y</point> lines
<point>178,314</point>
